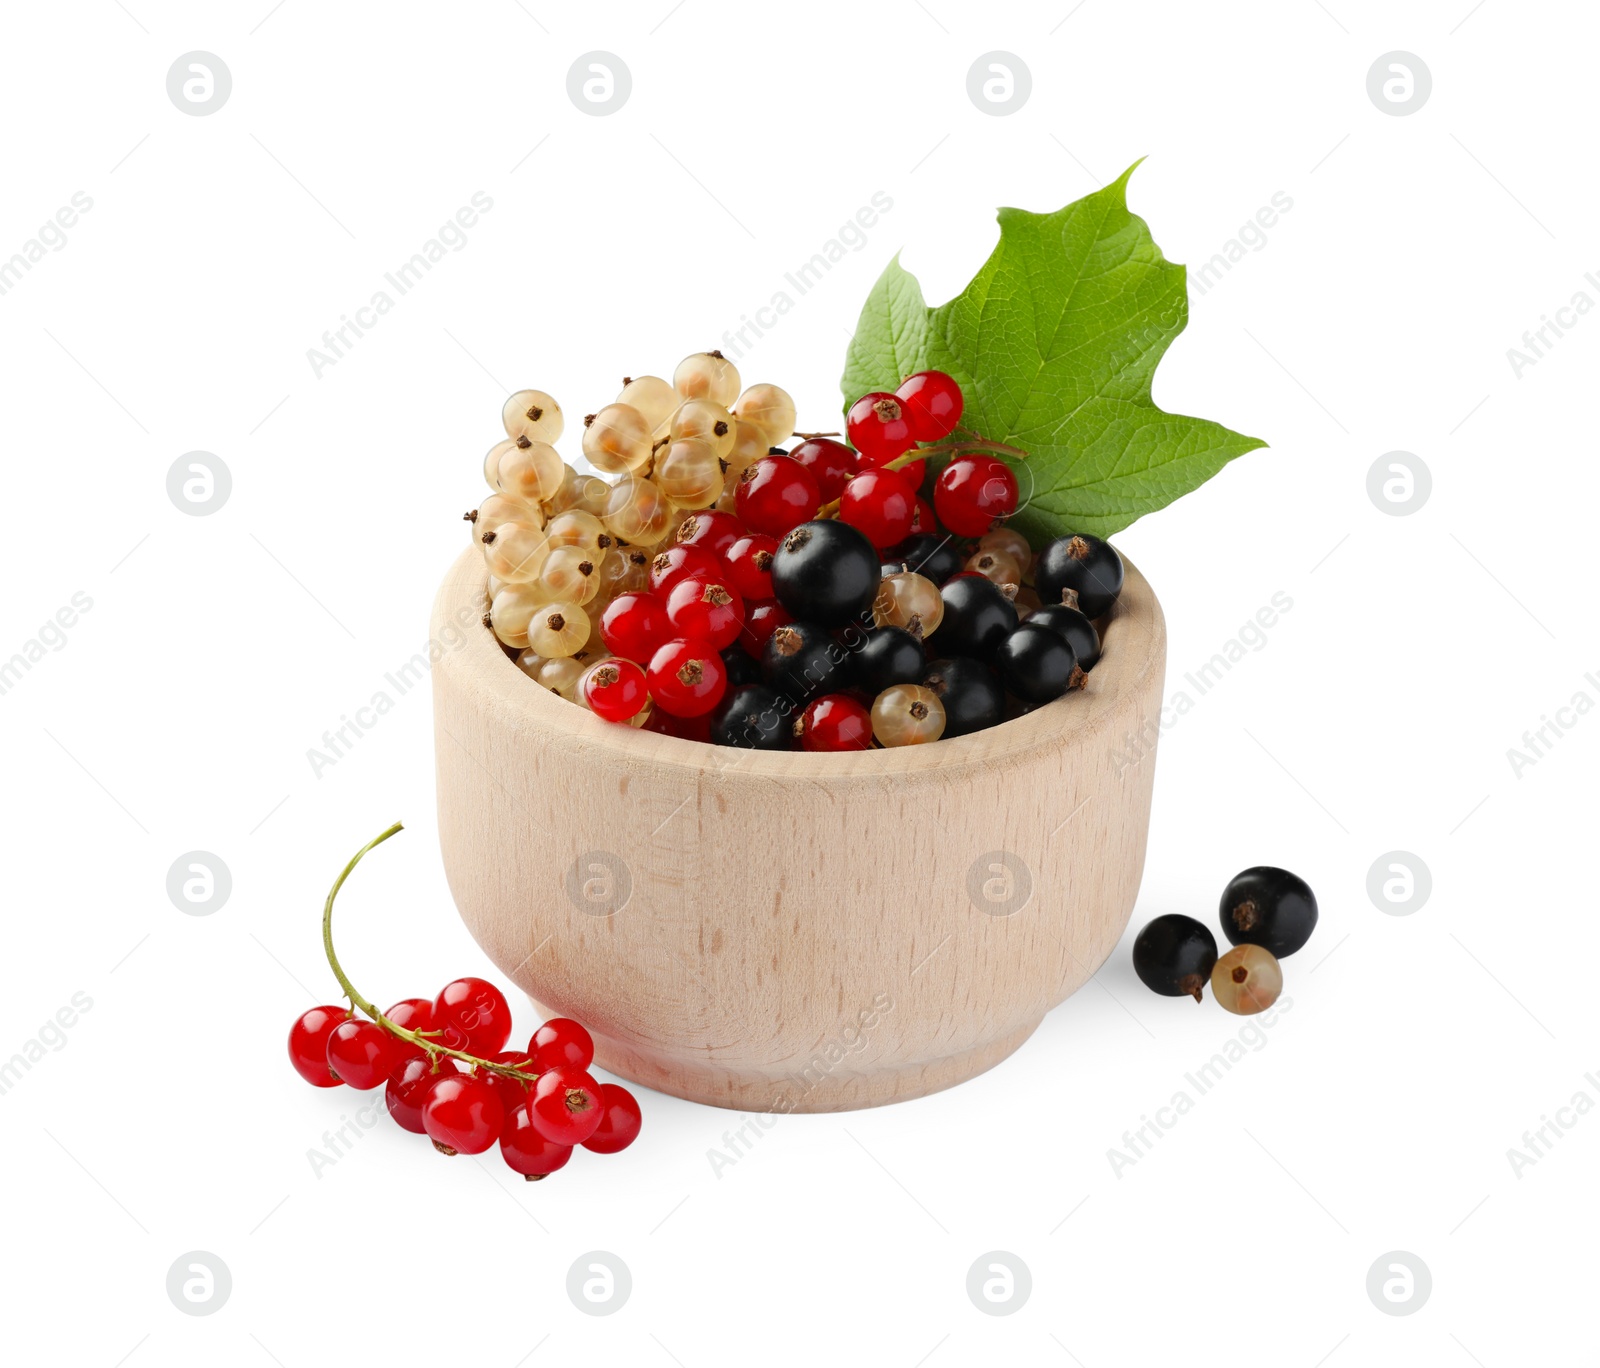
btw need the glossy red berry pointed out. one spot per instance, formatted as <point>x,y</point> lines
<point>761,620</point>
<point>463,1114</point>
<point>619,1122</point>
<point>687,678</point>
<point>913,474</point>
<point>409,1087</point>
<point>878,427</point>
<point>635,625</point>
<point>834,722</point>
<point>615,690</point>
<point>972,493</point>
<point>566,1106</point>
<point>473,1016</point>
<point>710,528</point>
<point>776,494</point>
<point>526,1151</point>
<point>361,1053</point>
<point>831,465</point>
<point>561,1043</point>
<point>706,608</point>
<point>412,1014</point>
<point>513,1092</point>
<point>669,566</point>
<point>749,562</point>
<point>933,404</point>
<point>881,504</point>
<point>308,1044</point>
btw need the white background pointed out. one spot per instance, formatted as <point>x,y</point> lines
<point>178,714</point>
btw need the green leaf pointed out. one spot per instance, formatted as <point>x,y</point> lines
<point>892,335</point>
<point>1055,344</point>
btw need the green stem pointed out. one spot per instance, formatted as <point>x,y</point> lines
<point>417,1038</point>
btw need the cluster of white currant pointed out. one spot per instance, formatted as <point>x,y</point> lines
<point>561,544</point>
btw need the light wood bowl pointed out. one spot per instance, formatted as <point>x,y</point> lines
<point>779,931</point>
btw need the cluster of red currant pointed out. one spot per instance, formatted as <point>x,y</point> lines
<point>742,593</point>
<point>446,1072</point>
<point>1267,913</point>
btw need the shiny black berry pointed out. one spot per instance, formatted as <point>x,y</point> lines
<point>932,557</point>
<point>801,660</point>
<point>826,571</point>
<point>1269,907</point>
<point>970,692</point>
<point>1037,665</point>
<point>752,718</point>
<point>1074,626</point>
<point>1174,956</point>
<point>888,655</point>
<point>742,667</point>
<point>977,617</point>
<point>1083,566</point>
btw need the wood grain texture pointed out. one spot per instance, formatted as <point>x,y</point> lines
<point>787,931</point>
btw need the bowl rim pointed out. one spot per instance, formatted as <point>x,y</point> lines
<point>1135,633</point>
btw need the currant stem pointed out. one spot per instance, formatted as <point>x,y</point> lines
<point>418,1038</point>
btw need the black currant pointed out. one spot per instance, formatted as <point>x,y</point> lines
<point>977,617</point>
<point>1074,626</point>
<point>1082,565</point>
<point>970,692</point>
<point>742,667</point>
<point>801,659</point>
<point>1269,907</point>
<point>826,572</point>
<point>1037,665</point>
<point>933,557</point>
<point>752,718</point>
<point>1174,956</point>
<point>889,655</point>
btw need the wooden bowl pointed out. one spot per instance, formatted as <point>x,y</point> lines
<point>777,931</point>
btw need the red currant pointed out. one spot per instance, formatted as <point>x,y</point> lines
<point>463,1114</point>
<point>761,620</point>
<point>361,1053</point>
<point>615,690</point>
<point>412,1014</point>
<point>526,1151</point>
<point>619,1121</point>
<point>831,465</point>
<point>775,495</point>
<point>566,1106</point>
<point>561,1043</point>
<point>634,626</point>
<point>687,677</point>
<point>513,1093</point>
<point>878,427</point>
<point>671,565</point>
<point>409,1087</point>
<point>914,473</point>
<point>933,404</point>
<point>834,722</point>
<point>749,562</point>
<point>972,493</point>
<point>881,504</point>
<point>308,1044</point>
<point>706,609</point>
<point>710,528</point>
<point>473,1016</point>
